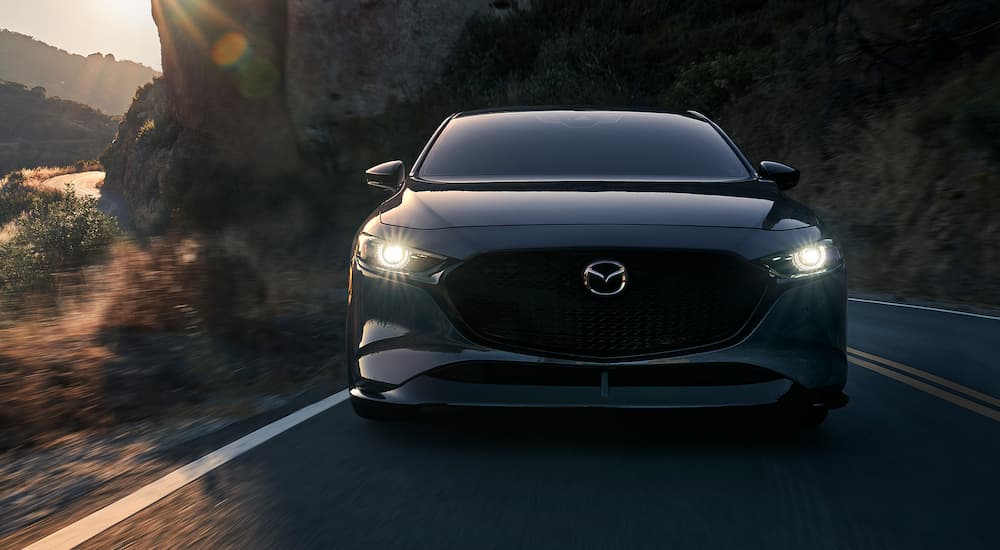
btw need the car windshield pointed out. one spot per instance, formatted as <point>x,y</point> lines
<point>580,146</point>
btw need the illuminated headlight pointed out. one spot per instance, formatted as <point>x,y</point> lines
<point>395,257</point>
<point>811,259</point>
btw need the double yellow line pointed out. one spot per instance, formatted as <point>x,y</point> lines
<point>953,392</point>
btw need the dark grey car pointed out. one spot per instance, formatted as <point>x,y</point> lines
<point>592,258</point>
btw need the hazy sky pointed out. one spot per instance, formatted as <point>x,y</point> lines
<point>124,28</point>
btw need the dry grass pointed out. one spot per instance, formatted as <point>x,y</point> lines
<point>53,362</point>
<point>32,176</point>
<point>912,204</point>
<point>151,329</point>
<point>7,231</point>
<point>51,376</point>
<point>916,212</point>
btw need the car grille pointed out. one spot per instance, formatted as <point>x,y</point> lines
<point>674,300</point>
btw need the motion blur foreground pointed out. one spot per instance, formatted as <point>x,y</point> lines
<point>593,258</point>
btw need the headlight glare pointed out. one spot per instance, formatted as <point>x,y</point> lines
<point>809,258</point>
<point>812,259</point>
<point>394,256</point>
<point>391,257</point>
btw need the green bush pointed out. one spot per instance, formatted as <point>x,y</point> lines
<point>580,68</point>
<point>17,198</point>
<point>158,133</point>
<point>54,236</point>
<point>715,82</point>
<point>20,268</point>
<point>491,52</point>
<point>638,52</point>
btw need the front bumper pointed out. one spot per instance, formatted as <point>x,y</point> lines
<point>399,338</point>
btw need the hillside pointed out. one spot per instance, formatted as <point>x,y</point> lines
<point>96,80</point>
<point>891,111</point>
<point>36,130</point>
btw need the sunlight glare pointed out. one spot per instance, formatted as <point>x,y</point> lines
<point>229,49</point>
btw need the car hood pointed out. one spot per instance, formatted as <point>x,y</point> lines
<point>709,205</point>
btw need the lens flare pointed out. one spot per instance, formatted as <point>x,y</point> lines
<point>230,49</point>
<point>394,255</point>
<point>257,78</point>
<point>809,258</point>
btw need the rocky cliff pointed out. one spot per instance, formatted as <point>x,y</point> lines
<point>250,85</point>
<point>347,58</point>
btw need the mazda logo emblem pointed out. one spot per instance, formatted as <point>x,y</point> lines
<point>605,277</point>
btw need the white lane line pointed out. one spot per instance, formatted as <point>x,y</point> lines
<point>926,308</point>
<point>967,404</point>
<point>954,386</point>
<point>82,530</point>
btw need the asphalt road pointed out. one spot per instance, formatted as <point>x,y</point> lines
<point>899,467</point>
<point>90,184</point>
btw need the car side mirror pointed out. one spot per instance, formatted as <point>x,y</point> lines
<point>782,174</point>
<point>388,175</point>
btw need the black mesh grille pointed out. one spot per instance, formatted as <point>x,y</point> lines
<point>674,300</point>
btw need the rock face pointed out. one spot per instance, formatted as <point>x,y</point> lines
<point>223,65</point>
<point>347,57</point>
<point>136,166</point>
<point>248,84</point>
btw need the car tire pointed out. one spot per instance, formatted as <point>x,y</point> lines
<point>375,410</point>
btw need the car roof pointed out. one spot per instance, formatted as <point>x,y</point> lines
<point>595,109</point>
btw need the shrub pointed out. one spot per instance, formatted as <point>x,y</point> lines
<point>147,128</point>
<point>88,166</point>
<point>17,198</point>
<point>158,133</point>
<point>141,91</point>
<point>714,83</point>
<point>491,52</point>
<point>580,68</point>
<point>54,236</point>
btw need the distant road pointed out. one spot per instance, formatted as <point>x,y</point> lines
<point>90,184</point>
<point>910,463</point>
<point>85,183</point>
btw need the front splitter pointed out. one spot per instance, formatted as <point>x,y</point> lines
<point>430,391</point>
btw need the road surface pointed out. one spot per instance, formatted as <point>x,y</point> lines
<point>90,184</point>
<point>912,462</point>
<point>84,183</point>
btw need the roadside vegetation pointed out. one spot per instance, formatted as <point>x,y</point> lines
<point>98,327</point>
<point>892,111</point>
<point>177,325</point>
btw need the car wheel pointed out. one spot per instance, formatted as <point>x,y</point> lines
<point>375,410</point>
